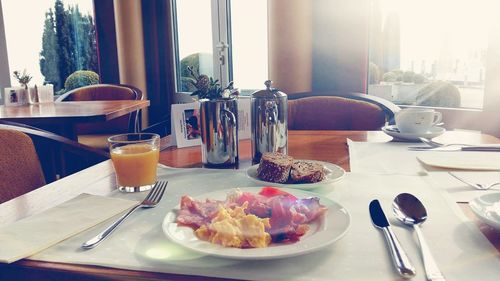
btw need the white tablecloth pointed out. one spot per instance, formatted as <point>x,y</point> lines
<point>460,249</point>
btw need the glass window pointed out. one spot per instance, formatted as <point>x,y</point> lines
<point>51,40</point>
<point>194,40</point>
<point>249,44</point>
<point>430,53</point>
<point>230,33</point>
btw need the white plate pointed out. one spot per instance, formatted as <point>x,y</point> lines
<point>394,132</point>
<point>333,173</point>
<point>331,228</point>
<point>487,208</point>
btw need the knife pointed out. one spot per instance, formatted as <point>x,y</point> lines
<point>491,148</point>
<point>399,257</point>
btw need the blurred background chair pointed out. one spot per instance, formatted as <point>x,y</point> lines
<point>96,134</point>
<point>353,112</point>
<point>20,169</point>
<point>31,157</point>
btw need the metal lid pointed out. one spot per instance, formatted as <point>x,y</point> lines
<point>269,92</point>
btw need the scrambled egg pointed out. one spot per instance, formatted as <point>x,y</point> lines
<point>234,228</point>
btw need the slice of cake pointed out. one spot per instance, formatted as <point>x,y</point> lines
<point>307,172</point>
<point>274,167</point>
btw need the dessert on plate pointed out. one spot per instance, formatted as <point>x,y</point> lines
<point>304,171</point>
<point>279,168</point>
<point>274,167</point>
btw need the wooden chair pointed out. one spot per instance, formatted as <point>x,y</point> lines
<point>356,112</point>
<point>31,157</point>
<point>96,134</point>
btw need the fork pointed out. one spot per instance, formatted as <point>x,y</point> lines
<point>150,201</point>
<point>475,185</point>
<point>433,144</point>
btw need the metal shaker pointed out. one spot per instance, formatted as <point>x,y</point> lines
<point>219,132</point>
<point>269,121</point>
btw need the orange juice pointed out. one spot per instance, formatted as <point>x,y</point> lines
<point>135,164</point>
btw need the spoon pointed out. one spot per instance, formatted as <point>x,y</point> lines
<point>411,211</point>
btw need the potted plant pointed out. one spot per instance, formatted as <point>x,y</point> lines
<point>23,79</point>
<point>23,94</point>
<point>218,120</point>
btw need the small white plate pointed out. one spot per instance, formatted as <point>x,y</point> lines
<point>394,132</point>
<point>487,208</point>
<point>331,228</point>
<point>333,173</point>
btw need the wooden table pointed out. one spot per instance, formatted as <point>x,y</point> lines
<point>329,146</point>
<point>319,145</point>
<point>61,117</point>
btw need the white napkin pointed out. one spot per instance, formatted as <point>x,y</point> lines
<point>384,158</point>
<point>486,161</point>
<point>38,232</point>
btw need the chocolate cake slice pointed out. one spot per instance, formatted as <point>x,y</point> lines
<point>274,167</point>
<point>307,172</point>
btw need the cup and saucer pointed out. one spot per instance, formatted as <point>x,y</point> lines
<point>415,123</point>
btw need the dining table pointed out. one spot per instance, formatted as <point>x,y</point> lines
<point>179,164</point>
<point>61,117</point>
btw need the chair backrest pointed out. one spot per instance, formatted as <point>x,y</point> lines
<point>334,113</point>
<point>59,156</point>
<point>124,124</point>
<point>20,169</point>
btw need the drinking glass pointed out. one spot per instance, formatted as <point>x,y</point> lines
<point>135,157</point>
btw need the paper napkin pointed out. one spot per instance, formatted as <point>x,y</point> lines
<point>462,160</point>
<point>38,232</point>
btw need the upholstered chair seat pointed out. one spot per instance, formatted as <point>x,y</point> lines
<point>20,169</point>
<point>31,157</point>
<point>334,113</point>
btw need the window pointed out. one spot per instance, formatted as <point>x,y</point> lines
<point>194,40</point>
<point>223,39</point>
<point>50,40</point>
<point>430,53</point>
<point>249,44</point>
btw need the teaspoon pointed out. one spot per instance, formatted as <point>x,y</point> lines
<point>411,211</point>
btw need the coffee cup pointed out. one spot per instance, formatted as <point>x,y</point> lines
<point>417,120</point>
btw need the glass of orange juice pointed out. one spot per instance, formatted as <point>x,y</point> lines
<point>135,157</point>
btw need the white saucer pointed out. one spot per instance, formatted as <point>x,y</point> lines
<point>487,208</point>
<point>393,131</point>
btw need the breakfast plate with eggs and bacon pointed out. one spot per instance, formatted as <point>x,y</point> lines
<point>256,223</point>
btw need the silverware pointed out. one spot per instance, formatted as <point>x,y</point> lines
<point>432,143</point>
<point>436,146</point>
<point>475,185</point>
<point>411,211</point>
<point>399,257</point>
<point>456,148</point>
<point>150,201</point>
